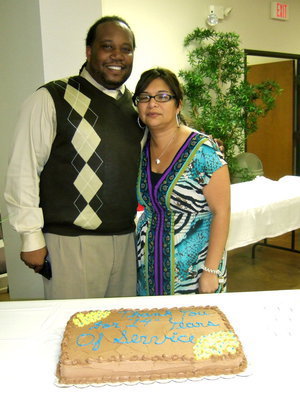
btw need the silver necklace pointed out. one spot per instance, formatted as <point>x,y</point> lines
<point>157,160</point>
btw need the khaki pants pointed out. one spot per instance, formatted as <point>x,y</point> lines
<point>91,266</point>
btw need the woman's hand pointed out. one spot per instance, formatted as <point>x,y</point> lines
<point>208,282</point>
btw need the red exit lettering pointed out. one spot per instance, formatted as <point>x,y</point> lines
<point>281,10</point>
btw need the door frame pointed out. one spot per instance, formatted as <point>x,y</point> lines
<point>296,105</point>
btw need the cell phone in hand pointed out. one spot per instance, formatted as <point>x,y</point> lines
<point>46,270</point>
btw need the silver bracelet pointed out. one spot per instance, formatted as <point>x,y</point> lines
<point>212,271</point>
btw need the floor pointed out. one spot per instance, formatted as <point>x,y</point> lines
<point>271,269</point>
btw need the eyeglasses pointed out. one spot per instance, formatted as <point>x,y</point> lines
<point>160,98</point>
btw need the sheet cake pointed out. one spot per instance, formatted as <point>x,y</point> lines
<point>131,345</point>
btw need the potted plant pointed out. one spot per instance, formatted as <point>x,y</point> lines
<point>222,103</point>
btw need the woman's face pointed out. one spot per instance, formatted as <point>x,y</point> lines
<point>158,114</point>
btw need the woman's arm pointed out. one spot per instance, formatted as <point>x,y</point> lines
<point>217,194</point>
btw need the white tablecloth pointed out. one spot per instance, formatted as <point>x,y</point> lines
<point>268,324</point>
<point>263,208</point>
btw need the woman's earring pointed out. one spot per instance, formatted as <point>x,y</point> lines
<point>178,120</point>
<point>140,124</point>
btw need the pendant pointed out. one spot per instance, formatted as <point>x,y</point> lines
<point>157,161</point>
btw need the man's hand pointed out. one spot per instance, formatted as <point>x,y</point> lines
<point>34,259</point>
<point>219,143</point>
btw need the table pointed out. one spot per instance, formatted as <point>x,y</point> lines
<point>263,208</point>
<point>268,324</point>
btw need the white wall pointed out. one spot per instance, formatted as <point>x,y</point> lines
<point>160,27</point>
<point>21,71</point>
<point>44,39</point>
<point>64,26</point>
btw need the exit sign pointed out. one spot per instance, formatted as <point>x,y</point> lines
<point>279,10</point>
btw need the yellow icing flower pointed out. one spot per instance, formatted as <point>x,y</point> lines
<point>81,319</point>
<point>215,344</point>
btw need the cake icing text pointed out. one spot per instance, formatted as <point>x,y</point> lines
<point>188,319</point>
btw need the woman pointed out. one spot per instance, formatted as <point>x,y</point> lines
<point>184,186</point>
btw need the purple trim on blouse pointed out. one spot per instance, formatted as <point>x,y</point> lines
<point>158,239</point>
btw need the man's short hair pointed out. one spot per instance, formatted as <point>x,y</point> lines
<point>114,18</point>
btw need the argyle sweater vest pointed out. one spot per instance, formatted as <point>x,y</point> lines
<point>87,186</point>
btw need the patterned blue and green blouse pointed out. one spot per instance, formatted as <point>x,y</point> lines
<point>173,231</point>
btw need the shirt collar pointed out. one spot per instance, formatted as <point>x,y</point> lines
<point>110,92</point>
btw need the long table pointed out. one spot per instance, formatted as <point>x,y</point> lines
<point>268,324</point>
<point>263,208</point>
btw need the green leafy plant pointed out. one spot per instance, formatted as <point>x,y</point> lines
<point>222,103</point>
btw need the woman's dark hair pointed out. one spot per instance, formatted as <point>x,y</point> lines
<point>166,75</point>
<point>91,35</point>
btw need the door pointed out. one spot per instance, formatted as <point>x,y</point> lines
<point>273,140</point>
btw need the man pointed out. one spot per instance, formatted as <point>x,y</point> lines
<point>71,179</point>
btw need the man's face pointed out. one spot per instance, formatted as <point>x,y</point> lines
<point>110,57</point>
